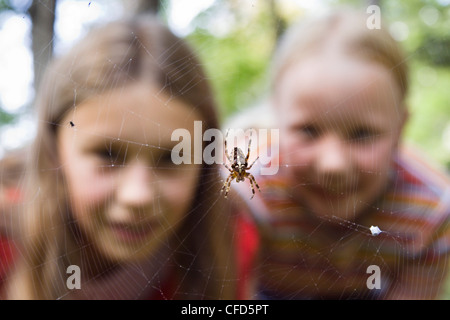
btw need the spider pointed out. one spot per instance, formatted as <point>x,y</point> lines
<point>239,167</point>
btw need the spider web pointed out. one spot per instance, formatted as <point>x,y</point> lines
<point>138,279</point>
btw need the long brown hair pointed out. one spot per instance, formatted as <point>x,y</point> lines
<point>109,57</point>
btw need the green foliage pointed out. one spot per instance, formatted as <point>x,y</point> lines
<point>429,106</point>
<point>236,61</point>
<point>436,50</point>
<point>428,56</point>
<point>16,6</point>
<point>6,117</point>
<point>236,67</point>
<point>5,5</point>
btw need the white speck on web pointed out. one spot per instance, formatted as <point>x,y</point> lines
<point>375,230</point>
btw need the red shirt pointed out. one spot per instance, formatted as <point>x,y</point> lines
<point>7,251</point>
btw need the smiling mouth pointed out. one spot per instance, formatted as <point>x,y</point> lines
<point>131,233</point>
<point>332,193</point>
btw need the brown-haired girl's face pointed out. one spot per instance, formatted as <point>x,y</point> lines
<point>340,122</point>
<point>126,194</point>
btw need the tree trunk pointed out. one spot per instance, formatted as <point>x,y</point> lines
<point>142,6</point>
<point>42,15</point>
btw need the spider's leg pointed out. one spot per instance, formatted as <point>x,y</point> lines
<point>253,188</point>
<point>227,182</point>
<point>226,166</point>
<point>226,185</point>
<point>248,168</point>
<point>226,148</point>
<point>253,181</point>
<point>249,145</point>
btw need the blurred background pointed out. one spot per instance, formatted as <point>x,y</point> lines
<point>235,39</point>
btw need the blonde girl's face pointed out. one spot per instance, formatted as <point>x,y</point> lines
<point>126,195</point>
<point>340,122</point>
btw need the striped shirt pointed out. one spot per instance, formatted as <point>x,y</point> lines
<point>307,257</point>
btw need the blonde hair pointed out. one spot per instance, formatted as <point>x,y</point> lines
<point>350,27</point>
<point>109,57</point>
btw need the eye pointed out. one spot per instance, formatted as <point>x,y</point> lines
<point>362,135</point>
<point>109,153</point>
<point>165,159</point>
<point>109,158</point>
<point>308,131</point>
<point>106,154</point>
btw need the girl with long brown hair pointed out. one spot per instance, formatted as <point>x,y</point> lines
<point>104,197</point>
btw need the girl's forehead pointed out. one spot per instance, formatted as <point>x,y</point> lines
<point>336,71</point>
<point>138,110</point>
<point>338,87</point>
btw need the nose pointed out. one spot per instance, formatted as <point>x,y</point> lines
<point>136,186</point>
<point>332,156</point>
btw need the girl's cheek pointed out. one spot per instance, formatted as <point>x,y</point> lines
<point>297,162</point>
<point>294,151</point>
<point>375,157</point>
<point>92,187</point>
<point>180,188</point>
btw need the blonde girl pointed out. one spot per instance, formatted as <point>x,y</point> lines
<point>350,214</point>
